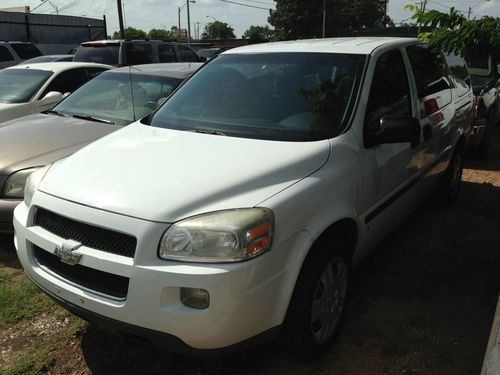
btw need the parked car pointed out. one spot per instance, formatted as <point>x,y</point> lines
<point>134,52</point>
<point>27,89</point>
<point>210,53</point>
<point>485,77</point>
<point>48,58</point>
<point>235,214</point>
<point>12,53</point>
<point>100,107</point>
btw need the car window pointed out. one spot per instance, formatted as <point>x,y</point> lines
<point>166,53</point>
<point>114,97</point>
<point>390,91</point>
<point>67,81</point>
<point>187,55</point>
<point>459,73</point>
<point>429,70</point>
<point>20,85</point>
<point>103,53</point>
<point>279,96</point>
<point>5,54</point>
<point>431,78</point>
<point>139,53</point>
<point>25,50</point>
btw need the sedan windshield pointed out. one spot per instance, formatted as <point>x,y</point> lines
<point>278,96</point>
<point>118,97</point>
<point>20,85</point>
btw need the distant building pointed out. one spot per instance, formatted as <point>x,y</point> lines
<point>23,9</point>
<point>176,32</point>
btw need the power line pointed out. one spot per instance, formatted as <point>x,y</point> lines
<point>259,2</point>
<point>245,5</point>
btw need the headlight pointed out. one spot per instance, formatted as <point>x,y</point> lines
<point>14,187</point>
<point>224,236</point>
<point>32,183</point>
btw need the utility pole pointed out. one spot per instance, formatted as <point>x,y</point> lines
<point>423,5</point>
<point>189,24</point>
<point>385,14</point>
<point>470,11</point>
<point>179,17</point>
<point>120,18</point>
<point>198,30</point>
<point>324,19</point>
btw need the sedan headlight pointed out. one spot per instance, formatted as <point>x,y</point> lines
<point>14,187</point>
<point>224,236</point>
<point>32,183</point>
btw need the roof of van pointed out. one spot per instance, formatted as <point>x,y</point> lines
<point>355,45</point>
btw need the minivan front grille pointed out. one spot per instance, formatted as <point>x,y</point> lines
<point>89,278</point>
<point>88,235</point>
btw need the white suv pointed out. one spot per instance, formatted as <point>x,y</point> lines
<point>237,210</point>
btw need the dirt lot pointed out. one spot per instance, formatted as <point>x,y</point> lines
<point>423,304</point>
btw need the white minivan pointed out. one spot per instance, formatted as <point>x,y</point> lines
<point>236,211</point>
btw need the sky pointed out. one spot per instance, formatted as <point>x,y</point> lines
<point>148,14</point>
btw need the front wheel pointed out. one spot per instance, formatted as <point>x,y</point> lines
<point>318,303</point>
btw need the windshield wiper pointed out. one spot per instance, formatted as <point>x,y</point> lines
<point>92,118</point>
<point>59,113</point>
<point>212,132</point>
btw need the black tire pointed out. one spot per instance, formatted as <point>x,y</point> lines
<point>452,179</point>
<point>302,333</point>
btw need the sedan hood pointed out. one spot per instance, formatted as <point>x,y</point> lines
<point>40,139</point>
<point>165,175</point>
<point>9,111</point>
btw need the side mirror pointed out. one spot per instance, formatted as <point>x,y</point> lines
<point>52,97</point>
<point>394,129</point>
<point>202,59</point>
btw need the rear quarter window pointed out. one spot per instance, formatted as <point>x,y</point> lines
<point>5,54</point>
<point>25,50</point>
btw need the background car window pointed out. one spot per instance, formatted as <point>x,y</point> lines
<point>431,77</point>
<point>459,73</point>
<point>67,81</point>
<point>139,53</point>
<point>98,53</point>
<point>20,85</point>
<point>25,50</point>
<point>187,54</point>
<point>110,96</point>
<point>429,70</point>
<point>390,91</point>
<point>166,53</point>
<point>5,54</point>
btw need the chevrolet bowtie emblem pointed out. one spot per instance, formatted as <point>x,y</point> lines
<point>67,252</point>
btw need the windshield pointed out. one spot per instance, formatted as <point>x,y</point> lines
<point>109,96</point>
<point>278,96</point>
<point>104,53</point>
<point>20,85</point>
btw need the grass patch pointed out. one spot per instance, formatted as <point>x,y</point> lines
<point>33,362</point>
<point>20,299</point>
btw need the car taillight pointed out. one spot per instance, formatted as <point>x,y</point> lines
<point>431,106</point>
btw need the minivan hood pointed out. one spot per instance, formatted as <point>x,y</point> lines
<point>40,139</point>
<point>165,175</point>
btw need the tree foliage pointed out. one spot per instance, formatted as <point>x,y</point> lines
<point>453,32</point>
<point>258,34</point>
<point>218,30</point>
<point>295,19</point>
<point>159,34</point>
<point>131,33</point>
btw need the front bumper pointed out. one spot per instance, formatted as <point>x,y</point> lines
<point>6,214</point>
<point>246,298</point>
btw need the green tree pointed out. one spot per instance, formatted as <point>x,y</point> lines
<point>296,19</point>
<point>453,32</point>
<point>218,30</point>
<point>259,34</point>
<point>159,34</point>
<point>131,33</point>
